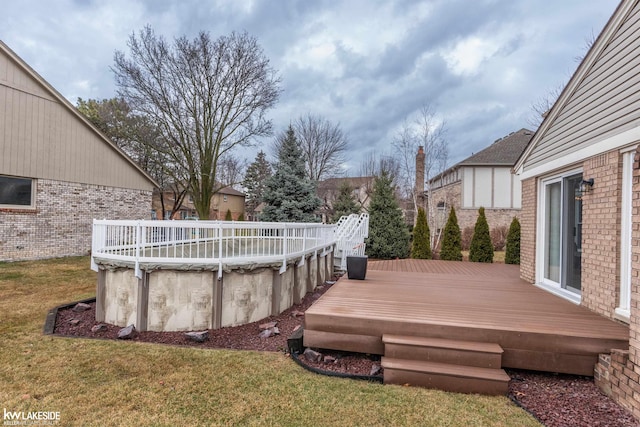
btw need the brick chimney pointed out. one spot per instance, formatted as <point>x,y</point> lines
<point>420,176</point>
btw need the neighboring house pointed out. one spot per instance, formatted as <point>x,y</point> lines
<point>329,189</point>
<point>57,171</point>
<point>482,180</point>
<point>581,195</point>
<point>226,199</point>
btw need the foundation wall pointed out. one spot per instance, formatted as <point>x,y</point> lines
<point>178,300</point>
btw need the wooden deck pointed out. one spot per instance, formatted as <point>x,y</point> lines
<point>466,302</point>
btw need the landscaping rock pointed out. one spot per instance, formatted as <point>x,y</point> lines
<point>375,370</point>
<point>312,355</point>
<point>201,336</point>
<point>330,282</point>
<point>268,325</point>
<point>127,333</point>
<point>80,307</point>
<point>99,328</point>
<point>266,333</point>
<point>295,314</point>
<point>74,322</point>
<point>329,359</point>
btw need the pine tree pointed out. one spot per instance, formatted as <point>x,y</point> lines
<point>512,255</point>
<point>451,241</point>
<point>388,234</point>
<point>290,196</point>
<point>254,182</point>
<point>344,203</point>
<point>240,217</point>
<point>421,248</point>
<point>228,216</point>
<point>481,249</point>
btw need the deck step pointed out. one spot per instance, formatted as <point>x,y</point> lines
<point>467,353</point>
<point>445,376</point>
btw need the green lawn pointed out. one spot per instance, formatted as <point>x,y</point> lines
<point>100,383</point>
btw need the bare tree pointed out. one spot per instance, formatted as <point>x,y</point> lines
<point>428,132</point>
<point>323,145</point>
<point>541,106</point>
<point>374,166</point>
<point>231,170</point>
<point>206,97</point>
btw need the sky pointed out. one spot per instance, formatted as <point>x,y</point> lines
<point>368,65</point>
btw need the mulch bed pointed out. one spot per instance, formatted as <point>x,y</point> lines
<point>554,399</point>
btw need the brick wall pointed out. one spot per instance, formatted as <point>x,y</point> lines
<point>618,377</point>
<point>528,230</point>
<point>618,374</point>
<point>452,195</point>
<point>600,233</point>
<point>61,223</point>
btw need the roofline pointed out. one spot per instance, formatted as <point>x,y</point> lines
<point>58,96</point>
<point>610,28</point>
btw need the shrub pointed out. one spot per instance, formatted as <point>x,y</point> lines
<point>240,217</point>
<point>451,249</point>
<point>228,216</point>
<point>499,237</point>
<point>421,248</point>
<point>481,249</point>
<point>388,234</point>
<point>512,255</point>
<point>467,235</point>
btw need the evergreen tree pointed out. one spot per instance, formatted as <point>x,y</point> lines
<point>421,248</point>
<point>228,216</point>
<point>254,182</point>
<point>512,255</point>
<point>451,241</point>
<point>290,196</point>
<point>344,203</point>
<point>240,217</point>
<point>481,249</point>
<point>388,234</point>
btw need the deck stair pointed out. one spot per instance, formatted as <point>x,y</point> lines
<point>449,365</point>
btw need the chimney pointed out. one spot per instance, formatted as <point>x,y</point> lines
<point>420,173</point>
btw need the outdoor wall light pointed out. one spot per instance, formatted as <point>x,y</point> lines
<point>586,185</point>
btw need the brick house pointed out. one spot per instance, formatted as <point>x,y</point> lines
<point>329,189</point>
<point>481,180</point>
<point>581,196</point>
<point>57,172</point>
<point>226,199</point>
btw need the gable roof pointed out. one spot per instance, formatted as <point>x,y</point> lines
<point>504,151</point>
<point>43,89</point>
<point>597,110</point>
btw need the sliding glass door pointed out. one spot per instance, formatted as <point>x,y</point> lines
<point>562,232</point>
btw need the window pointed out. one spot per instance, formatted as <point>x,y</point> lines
<point>224,198</point>
<point>154,214</point>
<point>441,206</point>
<point>16,192</point>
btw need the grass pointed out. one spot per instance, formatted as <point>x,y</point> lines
<point>93,382</point>
<point>498,256</point>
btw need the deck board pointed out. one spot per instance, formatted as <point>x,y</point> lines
<point>467,301</point>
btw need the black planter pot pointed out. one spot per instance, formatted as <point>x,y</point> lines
<point>357,267</point>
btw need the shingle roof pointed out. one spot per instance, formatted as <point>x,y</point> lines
<point>505,151</point>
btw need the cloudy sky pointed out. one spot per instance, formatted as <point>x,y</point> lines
<point>369,65</point>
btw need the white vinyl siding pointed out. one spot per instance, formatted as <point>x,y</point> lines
<point>43,138</point>
<point>483,187</point>
<point>467,188</point>
<point>502,183</point>
<point>605,102</point>
<point>491,188</point>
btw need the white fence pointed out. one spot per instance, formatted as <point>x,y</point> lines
<point>206,242</point>
<point>221,243</point>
